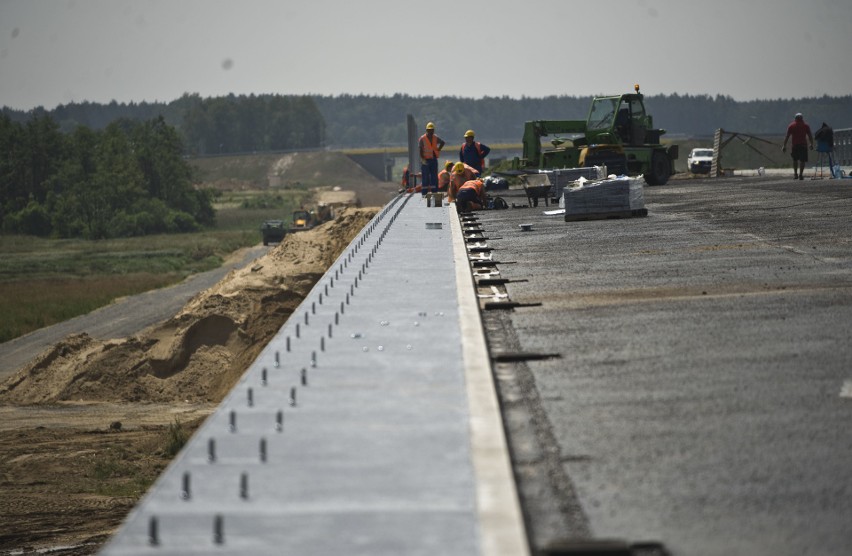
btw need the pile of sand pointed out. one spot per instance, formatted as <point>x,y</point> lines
<point>200,353</point>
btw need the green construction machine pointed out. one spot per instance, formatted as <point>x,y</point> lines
<point>618,133</point>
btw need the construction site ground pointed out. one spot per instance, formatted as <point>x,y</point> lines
<point>89,423</point>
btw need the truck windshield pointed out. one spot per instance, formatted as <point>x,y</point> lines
<point>603,110</point>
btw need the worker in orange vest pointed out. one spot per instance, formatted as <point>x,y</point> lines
<point>444,177</point>
<point>461,173</point>
<point>471,196</point>
<point>406,173</point>
<point>430,149</point>
<point>472,152</point>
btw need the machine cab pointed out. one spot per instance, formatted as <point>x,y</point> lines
<point>618,120</point>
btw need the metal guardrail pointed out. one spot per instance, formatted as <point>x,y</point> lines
<point>843,147</point>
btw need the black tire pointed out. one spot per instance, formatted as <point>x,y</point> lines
<point>660,169</point>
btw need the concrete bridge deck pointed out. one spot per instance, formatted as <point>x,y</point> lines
<point>368,425</point>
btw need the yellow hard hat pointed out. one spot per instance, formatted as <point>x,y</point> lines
<point>448,164</point>
<point>469,133</point>
<point>430,125</point>
<point>458,168</point>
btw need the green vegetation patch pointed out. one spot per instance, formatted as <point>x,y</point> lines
<point>49,301</point>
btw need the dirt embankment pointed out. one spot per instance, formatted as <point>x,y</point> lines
<point>97,417</point>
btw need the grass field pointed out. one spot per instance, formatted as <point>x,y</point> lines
<point>45,281</point>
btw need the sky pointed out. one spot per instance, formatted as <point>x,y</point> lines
<point>60,51</point>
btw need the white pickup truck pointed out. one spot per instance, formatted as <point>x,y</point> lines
<point>700,160</point>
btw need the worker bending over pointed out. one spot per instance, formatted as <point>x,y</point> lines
<point>471,196</point>
<point>444,177</point>
<point>462,173</point>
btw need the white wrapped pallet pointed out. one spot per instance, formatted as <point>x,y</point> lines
<point>613,197</point>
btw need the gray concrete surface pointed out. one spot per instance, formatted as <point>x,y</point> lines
<point>702,394</point>
<point>353,432</point>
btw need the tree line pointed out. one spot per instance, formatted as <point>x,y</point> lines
<point>129,178</point>
<point>92,170</point>
<point>239,124</point>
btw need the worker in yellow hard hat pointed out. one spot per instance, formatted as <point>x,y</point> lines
<point>472,152</point>
<point>430,149</point>
<point>461,173</point>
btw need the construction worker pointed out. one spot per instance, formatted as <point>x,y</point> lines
<point>462,173</point>
<point>430,149</point>
<point>406,176</point>
<point>471,196</point>
<point>444,177</point>
<point>473,152</point>
<point>825,144</point>
<point>801,134</point>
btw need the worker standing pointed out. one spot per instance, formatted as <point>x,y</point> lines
<point>430,150</point>
<point>462,173</point>
<point>471,196</point>
<point>472,152</point>
<point>825,144</point>
<point>801,134</point>
<point>444,177</point>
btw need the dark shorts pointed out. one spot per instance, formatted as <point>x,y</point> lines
<point>467,194</point>
<point>467,199</point>
<point>799,152</point>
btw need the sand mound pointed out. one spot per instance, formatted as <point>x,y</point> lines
<point>202,351</point>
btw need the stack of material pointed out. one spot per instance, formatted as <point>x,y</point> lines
<point>549,184</point>
<point>561,178</point>
<point>609,198</point>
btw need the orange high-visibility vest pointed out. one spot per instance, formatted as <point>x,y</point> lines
<point>476,145</point>
<point>429,149</point>
<point>476,185</point>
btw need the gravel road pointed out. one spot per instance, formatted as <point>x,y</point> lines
<point>123,318</point>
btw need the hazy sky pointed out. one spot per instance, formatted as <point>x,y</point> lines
<point>55,52</point>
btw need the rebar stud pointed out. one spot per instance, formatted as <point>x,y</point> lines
<point>263,378</point>
<point>185,492</point>
<point>278,357</point>
<point>304,377</point>
<point>279,421</point>
<point>232,421</point>
<point>250,396</point>
<point>262,450</point>
<point>293,396</point>
<point>244,487</point>
<point>218,530</point>
<point>153,531</point>
<point>211,450</point>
